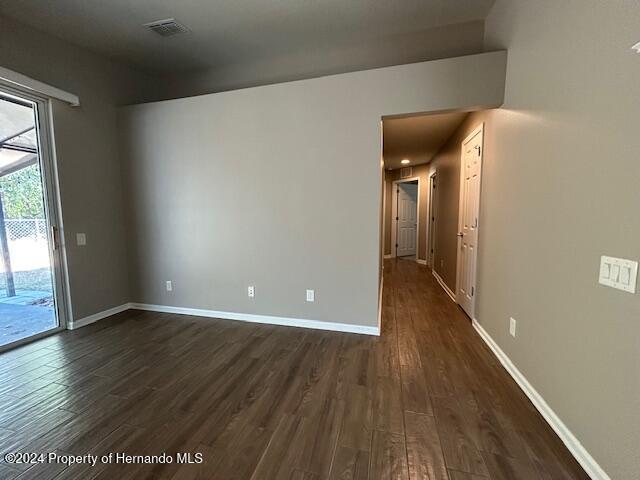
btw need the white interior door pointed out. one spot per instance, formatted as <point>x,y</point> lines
<point>469,213</point>
<point>407,219</point>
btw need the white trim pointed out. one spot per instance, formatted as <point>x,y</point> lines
<point>394,213</point>
<point>268,319</point>
<point>421,261</point>
<point>388,256</point>
<point>384,197</point>
<point>81,322</point>
<point>64,262</point>
<point>580,453</point>
<point>478,130</point>
<point>380,304</point>
<point>243,317</point>
<point>51,190</point>
<point>444,286</point>
<point>432,205</point>
<point>15,78</point>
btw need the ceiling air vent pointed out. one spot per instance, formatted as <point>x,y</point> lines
<point>167,27</point>
<point>406,172</point>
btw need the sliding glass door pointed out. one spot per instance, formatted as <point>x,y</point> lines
<point>31,286</point>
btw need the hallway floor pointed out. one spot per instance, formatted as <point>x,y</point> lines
<point>426,400</point>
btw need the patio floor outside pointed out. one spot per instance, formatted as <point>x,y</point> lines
<point>31,310</point>
<point>21,321</point>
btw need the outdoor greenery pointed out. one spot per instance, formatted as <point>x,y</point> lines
<point>22,194</point>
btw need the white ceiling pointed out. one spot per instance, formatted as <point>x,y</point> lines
<point>225,32</point>
<point>417,138</point>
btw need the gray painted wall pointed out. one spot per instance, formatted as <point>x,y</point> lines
<point>560,188</point>
<point>277,187</point>
<point>431,44</point>
<point>89,167</point>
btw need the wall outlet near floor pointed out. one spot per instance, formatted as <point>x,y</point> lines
<point>81,239</point>
<point>512,326</point>
<point>251,291</point>
<point>169,285</point>
<point>311,295</point>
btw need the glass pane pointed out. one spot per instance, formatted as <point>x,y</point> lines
<point>27,304</point>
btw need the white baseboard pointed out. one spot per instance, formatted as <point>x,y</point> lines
<point>390,255</point>
<point>444,286</point>
<point>243,317</point>
<point>81,322</point>
<point>267,319</point>
<point>421,261</point>
<point>583,457</point>
<point>380,304</point>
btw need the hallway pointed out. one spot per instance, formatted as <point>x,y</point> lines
<point>426,400</point>
<point>468,409</point>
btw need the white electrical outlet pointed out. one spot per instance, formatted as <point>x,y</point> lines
<point>311,296</point>
<point>169,286</point>
<point>81,239</point>
<point>512,326</point>
<point>251,291</point>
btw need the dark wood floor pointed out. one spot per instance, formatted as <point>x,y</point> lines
<point>426,400</point>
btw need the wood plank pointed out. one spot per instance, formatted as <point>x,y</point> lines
<point>455,475</point>
<point>350,464</point>
<point>505,468</point>
<point>388,408</point>
<point>424,451</point>
<point>357,426</point>
<point>460,448</point>
<point>388,457</point>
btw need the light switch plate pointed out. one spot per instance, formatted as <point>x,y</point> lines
<point>618,273</point>
<point>81,239</point>
<point>311,296</point>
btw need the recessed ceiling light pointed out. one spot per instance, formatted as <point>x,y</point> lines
<point>405,161</point>
<point>636,47</point>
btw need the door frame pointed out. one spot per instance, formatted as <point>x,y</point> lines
<point>51,185</point>
<point>475,131</point>
<point>432,206</point>
<point>394,214</point>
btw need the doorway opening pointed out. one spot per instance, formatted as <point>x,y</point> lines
<point>31,281</point>
<point>439,157</point>
<point>406,217</point>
